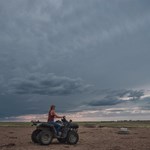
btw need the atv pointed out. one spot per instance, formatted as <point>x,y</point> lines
<point>45,132</point>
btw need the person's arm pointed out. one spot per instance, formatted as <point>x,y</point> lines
<point>57,116</point>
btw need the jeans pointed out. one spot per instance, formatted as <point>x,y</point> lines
<point>56,125</point>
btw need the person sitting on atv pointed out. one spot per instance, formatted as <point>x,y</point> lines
<point>51,116</point>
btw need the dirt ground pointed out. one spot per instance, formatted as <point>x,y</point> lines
<point>19,138</point>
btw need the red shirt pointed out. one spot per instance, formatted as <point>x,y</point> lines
<point>51,116</point>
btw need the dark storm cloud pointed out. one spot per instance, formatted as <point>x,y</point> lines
<point>132,94</point>
<point>48,84</point>
<point>114,97</point>
<point>104,102</point>
<point>11,105</point>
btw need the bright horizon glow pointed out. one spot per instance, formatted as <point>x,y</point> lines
<point>111,114</point>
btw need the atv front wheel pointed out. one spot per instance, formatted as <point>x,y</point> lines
<point>72,137</point>
<point>45,137</point>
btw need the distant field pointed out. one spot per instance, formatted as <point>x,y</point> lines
<point>129,124</point>
<point>15,124</point>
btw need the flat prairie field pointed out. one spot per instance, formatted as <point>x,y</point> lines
<point>92,136</point>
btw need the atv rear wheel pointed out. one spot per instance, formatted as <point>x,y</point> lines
<point>45,137</point>
<point>34,135</point>
<point>72,137</point>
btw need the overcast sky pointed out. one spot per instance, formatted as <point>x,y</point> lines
<point>88,57</point>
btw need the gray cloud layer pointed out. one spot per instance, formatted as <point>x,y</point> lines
<point>97,40</point>
<point>48,84</point>
<point>103,43</point>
